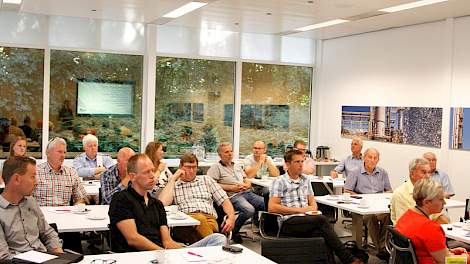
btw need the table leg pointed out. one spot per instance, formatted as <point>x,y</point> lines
<point>356,228</point>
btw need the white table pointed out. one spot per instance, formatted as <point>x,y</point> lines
<point>92,187</point>
<point>67,221</point>
<point>177,256</point>
<point>457,233</point>
<point>378,204</point>
<point>338,184</point>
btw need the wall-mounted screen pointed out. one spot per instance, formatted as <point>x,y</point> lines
<point>105,98</point>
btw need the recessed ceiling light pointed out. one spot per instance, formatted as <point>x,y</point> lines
<point>411,5</point>
<point>310,2</point>
<point>269,13</point>
<point>189,7</point>
<point>322,24</point>
<point>12,2</point>
<point>93,10</point>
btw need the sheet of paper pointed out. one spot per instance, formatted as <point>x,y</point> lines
<point>35,256</point>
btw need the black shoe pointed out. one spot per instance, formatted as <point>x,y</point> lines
<point>383,255</point>
<point>237,238</point>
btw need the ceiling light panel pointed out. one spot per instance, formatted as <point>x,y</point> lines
<point>189,7</point>
<point>411,5</point>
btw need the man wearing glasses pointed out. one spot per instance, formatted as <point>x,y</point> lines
<point>259,164</point>
<point>309,163</point>
<point>195,196</point>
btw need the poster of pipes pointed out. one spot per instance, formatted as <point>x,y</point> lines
<point>404,125</point>
<point>459,128</point>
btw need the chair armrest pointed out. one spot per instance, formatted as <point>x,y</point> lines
<point>262,224</point>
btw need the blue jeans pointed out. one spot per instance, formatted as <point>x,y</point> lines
<point>215,239</point>
<point>247,204</point>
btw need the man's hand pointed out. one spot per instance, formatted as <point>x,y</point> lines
<point>246,185</point>
<point>308,208</point>
<point>334,174</point>
<point>57,250</point>
<point>99,170</point>
<point>178,174</point>
<point>228,224</point>
<point>172,245</point>
<point>262,158</point>
<point>238,187</point>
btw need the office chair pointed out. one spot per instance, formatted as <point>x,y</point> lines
<point>466,215</point>
<point>297,250</point>
<point>402,248</point>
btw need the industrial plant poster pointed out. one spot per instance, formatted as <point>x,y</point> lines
<point>459,128</point>
<point>405,125</point>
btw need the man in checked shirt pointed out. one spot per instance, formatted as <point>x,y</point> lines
<point>195,196</point>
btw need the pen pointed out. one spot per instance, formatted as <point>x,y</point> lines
<point>194,254</point>
<point>62,210</point>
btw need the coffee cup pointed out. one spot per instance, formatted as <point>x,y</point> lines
<point>346,197</point>
<point>364,203</point>
<point>79,208</point>
<point>173,209</point>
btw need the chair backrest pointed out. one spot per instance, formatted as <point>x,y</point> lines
<point>297,250</point>
<point>466,215</point>
<point>321,188</point>
<point>269,225</point>
<point>402,248</point>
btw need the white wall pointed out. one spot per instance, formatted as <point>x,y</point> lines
<point>420,65</point>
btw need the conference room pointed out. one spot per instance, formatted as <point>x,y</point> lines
<point>193,75</point>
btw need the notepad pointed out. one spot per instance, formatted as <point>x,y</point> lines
<point>35,256</point>
<point>456,259</point>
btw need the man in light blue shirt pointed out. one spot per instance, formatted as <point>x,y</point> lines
<point>439,175</point>
<point>351,162</point>
<point>91,164</point>
<point>371,179</point>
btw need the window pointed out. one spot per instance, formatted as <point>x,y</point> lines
<point>190,101</point>
<point>21,89</point>
<point>97,93</point>
<point>275,106</point>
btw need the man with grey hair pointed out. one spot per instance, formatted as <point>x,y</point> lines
<point>351,162</point>
<point>116,178</point>
<point>438,175</point>
<point>57,183</point>
<point>402,198</point>
<point>259,164</point>
<point>370,178</point>
<point>91,164</point>
<point>232,179</point>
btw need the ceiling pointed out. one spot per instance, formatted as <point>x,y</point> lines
<point>256,16</point>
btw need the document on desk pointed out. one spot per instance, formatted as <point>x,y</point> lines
<point>35,256</point>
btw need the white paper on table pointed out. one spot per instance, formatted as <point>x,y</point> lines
<point>35,256</point>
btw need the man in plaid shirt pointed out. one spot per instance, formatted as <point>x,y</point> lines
<point>195,196</point>
<point>292,196</point>
<point>57,183</point>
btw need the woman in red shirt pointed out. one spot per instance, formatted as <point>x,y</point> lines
<point>427,236</point>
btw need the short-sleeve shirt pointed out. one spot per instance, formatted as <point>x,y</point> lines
<point>426,235</point>
<point>360,181</point>
<point>199,195</point>
<point>57,188</point>
<point>349,164</point>
<point>128,204</point>
<point>263,170</point>
<point>293,193</point>
<point>227,175</point>
<point>444,180</point>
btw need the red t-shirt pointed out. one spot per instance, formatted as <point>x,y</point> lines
<point>426,235</point>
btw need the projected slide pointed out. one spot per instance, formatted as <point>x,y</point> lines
<point>95,98</point>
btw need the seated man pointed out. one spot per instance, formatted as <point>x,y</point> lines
<point>352,162</point>
<point>259,164</point>
<point>232,179</point>
<point>402,198</point>
<point>23,226</point>
<point>57,183</point>
<point>370,178</point>
<point>195,195</point>
<point>91,164</point>
<point>116,178</point>
<point>438,175</point>
<point>138,221</point>
<point>292,194</point>
<point>309,163</point>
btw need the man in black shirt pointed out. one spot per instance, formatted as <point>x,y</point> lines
<point>138,221</point>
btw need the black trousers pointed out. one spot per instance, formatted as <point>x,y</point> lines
<point>316,226</point>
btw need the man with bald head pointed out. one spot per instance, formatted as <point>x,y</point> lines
<point>116,179</point>
<point>438,175</point>
<point>351,162</point>
<point>370,178</point>
<point>259,164</point>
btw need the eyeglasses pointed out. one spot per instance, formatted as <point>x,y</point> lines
<point>190,167</point>
<point>103,261</point>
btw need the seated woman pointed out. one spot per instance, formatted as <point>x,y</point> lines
<point>163,176</point>
<point>427,236</point>
<point>18,147</point>
<point>91,164</point>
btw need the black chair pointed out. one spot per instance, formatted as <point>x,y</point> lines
<point>321,188</point>
<point>297,250</point>
<point>402,248</point>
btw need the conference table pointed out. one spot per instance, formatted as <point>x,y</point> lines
<point>200,255</point>
<point>377,203</point>
<point>457,232</point>
<point>97,219</point>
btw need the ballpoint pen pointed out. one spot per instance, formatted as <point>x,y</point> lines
<point>194,254</point>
